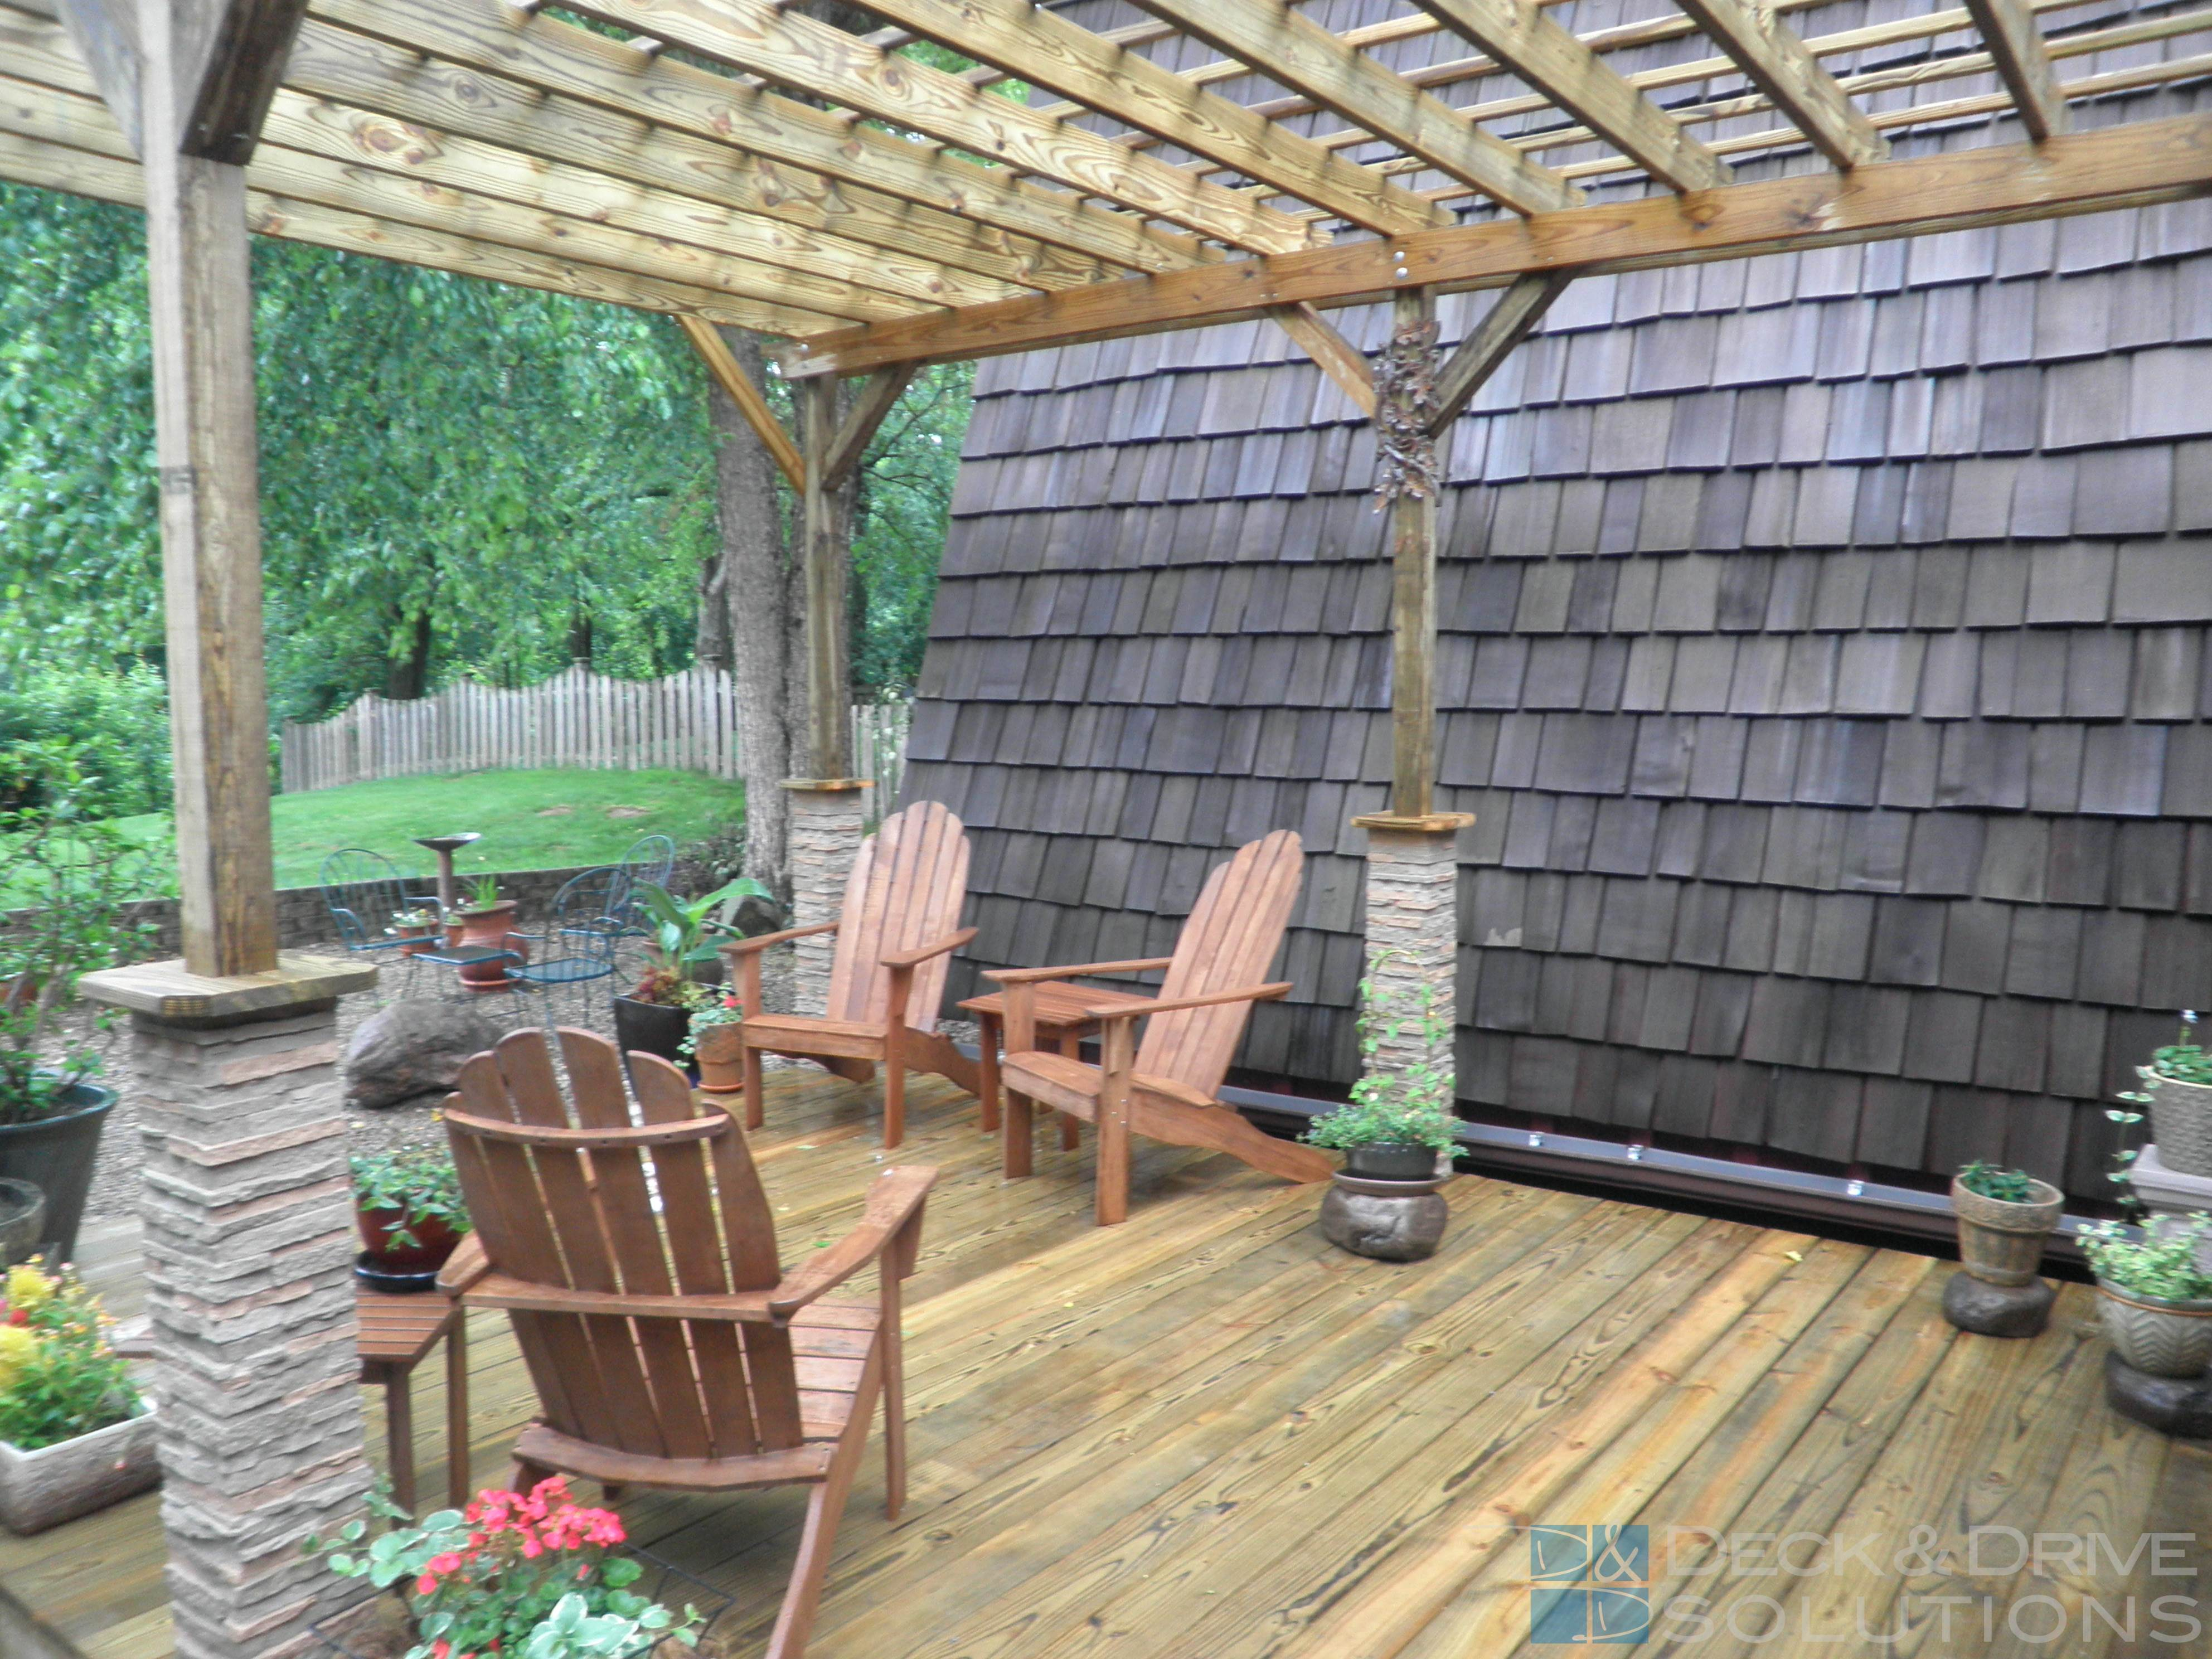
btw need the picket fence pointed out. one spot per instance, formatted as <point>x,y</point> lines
<point>687,721</point>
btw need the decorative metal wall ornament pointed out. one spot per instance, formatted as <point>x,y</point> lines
<point>1404,413</point>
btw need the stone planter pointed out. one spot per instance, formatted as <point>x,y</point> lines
<point>44,1488</point>
<point>1385,1220</point>
<point>2152,1335</point>
<point>56,1155</point>
<point>720,1056</point>
<point>2001,1243</point>
<point>2180,1121</point>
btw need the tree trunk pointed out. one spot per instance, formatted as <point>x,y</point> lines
<point>761,622</point>
<point>408,677</point>
<point>711,644</point>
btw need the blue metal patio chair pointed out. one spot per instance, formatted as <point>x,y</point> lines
<point>578,940</point>
<point>365,892</point>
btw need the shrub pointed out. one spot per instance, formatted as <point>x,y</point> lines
<point>2160,1263</point>
<point>2005,1186</point>
<point>116,721</point>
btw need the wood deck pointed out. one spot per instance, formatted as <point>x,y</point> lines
<point>1207,1432</point>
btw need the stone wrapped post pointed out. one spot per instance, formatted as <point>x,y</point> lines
<point>829,819</point>
<point>249,1241</point>
<point>1412,920</point>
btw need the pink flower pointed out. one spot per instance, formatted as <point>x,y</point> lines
<point>441,1564</point>
<point>425,1585</point>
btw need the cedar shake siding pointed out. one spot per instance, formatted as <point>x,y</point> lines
<point>1822,656</point>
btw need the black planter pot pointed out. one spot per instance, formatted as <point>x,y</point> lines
<point>1407,1162</point>
<point>651,1028</point>
<point>55,1156</point>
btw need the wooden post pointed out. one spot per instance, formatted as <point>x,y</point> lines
<point>1413,622</point>
<point>824,553</point>
<point>204,415</point>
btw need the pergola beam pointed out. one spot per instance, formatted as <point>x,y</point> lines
<point>1336,356</point>
<point>1291,48</point>
<point>1773,59</point>
<point>229,57</point>
<point>1520,37</point>
<point>878,396</point>
<point>106,34</point>
<point>1483,352</point>
<point>2017,52</point>
<point>654,96</point>
<point>2127,166</point>
<point>1050,52</point>
<point>788,48</point>
<point>730,374</point>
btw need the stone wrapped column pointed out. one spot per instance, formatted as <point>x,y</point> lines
<point>1412,922</point>
<point>829,819</point>
<point>249,1241</point>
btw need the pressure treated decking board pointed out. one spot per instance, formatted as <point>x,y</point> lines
<point>1207,1431</point>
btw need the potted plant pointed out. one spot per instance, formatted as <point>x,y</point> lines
<point>81,875</point>
<point>408,1206</point>
<point>531,1575</point>
<point>2154,1299</point>
<point>655,1017</point>
<point>713,1042</point>
<point>419,927</point>
<point>2004,1216</point>
<point>2178,1090</point>
<point>486,918</point>
<point>1384,1203</point>
<point>75,1436</point>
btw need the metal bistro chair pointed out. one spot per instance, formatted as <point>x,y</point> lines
<point>650,862</point>
<point>364,891</point>
<point>581,928</point>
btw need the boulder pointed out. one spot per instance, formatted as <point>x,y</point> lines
<point>415,1046</point>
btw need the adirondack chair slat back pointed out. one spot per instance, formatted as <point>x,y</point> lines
<point>906,891</point>
<point>1231,937</point>
<point>663,1386</point>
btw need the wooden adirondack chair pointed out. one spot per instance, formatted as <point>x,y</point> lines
<point>894,939</point>
<point>1169,1089</point>
<point>730,1374</point>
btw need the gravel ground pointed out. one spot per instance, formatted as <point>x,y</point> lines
<point>115,1179</point>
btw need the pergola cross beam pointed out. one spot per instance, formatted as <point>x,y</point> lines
<point>2018,55</point>
<point>1773,59</point>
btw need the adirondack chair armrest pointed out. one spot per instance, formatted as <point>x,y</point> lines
<point>467,1264</point>
<point>1171,1004</point>
<point>745,947</point>
<point>894,1206</point>
<point>922,953</point>
<point>1079,970</point>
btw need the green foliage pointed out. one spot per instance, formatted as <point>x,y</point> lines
<point>483,896</point>
<point>532,1575</point>
<point>714,1009</point>
<point>420,1183</point>
<point>686,931</point>
<point>114,720</point>
<point>2184,1062</point>
<point>898,533</point>
<point>76,876</point>
<point>2160,1262</point>
<point>1396,1106</point>
<point>2005,1186</point>
<point>59,1378</point>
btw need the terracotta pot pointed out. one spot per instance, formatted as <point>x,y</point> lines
<point>434,1240</point>
<point>2000,1242</point>
<point>487,928</point>
<point>419,938</point>
<point>44,1488</point>
<point>2180,1121</point>
<point>2152,1335</point>
<point>720,1055</point>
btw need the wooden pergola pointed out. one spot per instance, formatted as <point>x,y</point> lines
<point>739,162</point>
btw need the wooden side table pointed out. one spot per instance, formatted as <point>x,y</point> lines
<point>1060,1022</point>
<point>396,1332</point>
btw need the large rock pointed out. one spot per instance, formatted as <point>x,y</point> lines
<point>417,1046</point>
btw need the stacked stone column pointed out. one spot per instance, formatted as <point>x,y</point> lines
<point>829,819</point>
<point>1412,925</point>
<point>249,1243</point>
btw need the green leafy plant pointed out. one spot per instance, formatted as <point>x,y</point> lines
<point>419,1183</point>
<point>483,896</point>
<point>2182,1061</point>
<point>529,1574</point>
<point>415,918</point>
<point>2161,1261</point>
<point>686,931</point>
<point>1396,1105</point>
<point>2005,1186</point>
<point>716,1008</point>
<point>59,1378</point>
<point>80,875</point>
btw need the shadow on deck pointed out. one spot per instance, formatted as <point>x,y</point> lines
<point>1207,1434</point>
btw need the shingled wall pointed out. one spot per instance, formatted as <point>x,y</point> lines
<point>1822,658</point>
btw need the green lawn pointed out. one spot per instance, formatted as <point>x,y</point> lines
<point>539,820</point>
